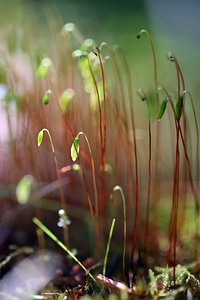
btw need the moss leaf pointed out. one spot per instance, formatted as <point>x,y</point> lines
<point>75,149</point>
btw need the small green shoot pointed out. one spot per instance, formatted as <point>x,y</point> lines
<point>74,155</point>
<point>108,246</point>
<point>66,99</point>
<point>18,251</point>
<point>45,99</point>
<point>59,243</point>
<point>115,189</point>
<point>23,189</point>
<point>43,69</point>
<point>40,139</point>
<point>161,109</point>
<point>154,57</point>
<point>75,148</point>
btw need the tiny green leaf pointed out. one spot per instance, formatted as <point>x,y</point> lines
<point>75,149</point>
<point>45,99</point>
<point>66,98</point>
<point>23,189</point>
<point>42,72</point>
<point>40,137</point>
<point>43,68</point>
<point>162,109</point>
<point>179,108</point>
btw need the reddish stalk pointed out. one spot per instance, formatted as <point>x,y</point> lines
<point>157,170</point>
<point>93,175</point>
<point>98,100</point>
<point>175,198</point>
<point>197,133</point>
<point>123,117</point>
<point>183,138</point>
<point>95,218</point>
<point>96,226</point>
<point>154,59</point>
<point>144,97</point>
<point>104,126</point>
<point>125,121</point>
<point>130,94</point>
<point>194,192</point>
<point>62,198</point>
<point>187,158</point>
<point>115,189</point>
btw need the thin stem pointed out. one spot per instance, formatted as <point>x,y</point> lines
<point>118,188</point>
<point>157,170</point>
<point>95,221</point>
<point>124,118</point>
<point>98,100</point>
<point>154,59</point>
<point>103,163</point>
<point>102,124</point>
<point>93,173</point>
<point>175,206</point>
<point>49,92</point>
<point>197,134</point>
<point>64,247</point>
<point>144,97</point>
<point>195,195</point>
<point>105,109</point>
<point>65,227</point>
<point>82,170</point>
<point>108,247</point>
<point>130,94</point>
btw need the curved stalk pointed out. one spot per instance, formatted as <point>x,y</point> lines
<point>95,217</point>
<point>40,139</point>
<point>130,96</point>
<point>144,97</point>
<point>118,188</point>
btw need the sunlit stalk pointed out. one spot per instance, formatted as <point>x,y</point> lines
<point>108,247</point>
<point>40,138</point>
<point>64,247</point>
<point>118,188</point>
<point>130,97</point>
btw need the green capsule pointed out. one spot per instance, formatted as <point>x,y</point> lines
<point>75,149</point>
<point>66,99</point>
<point>40,137</point>
<point>162,109</point>
<point>43,69</point>
<point>45,99</point>
<point>23,189</point>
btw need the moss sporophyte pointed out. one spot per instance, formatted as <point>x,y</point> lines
<point>123,185</point>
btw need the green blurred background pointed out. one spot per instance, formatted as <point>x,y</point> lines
<point>173,24</point>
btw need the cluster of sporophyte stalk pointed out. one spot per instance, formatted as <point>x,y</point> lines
<point>107,121</point>
<point>93,119</point>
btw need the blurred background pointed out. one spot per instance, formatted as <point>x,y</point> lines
<point>173,25</point>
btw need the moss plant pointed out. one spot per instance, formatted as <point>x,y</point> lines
<point>94,215</point>
<point>149,155</point>
<point>115,189</point>
<point>63,204</point>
